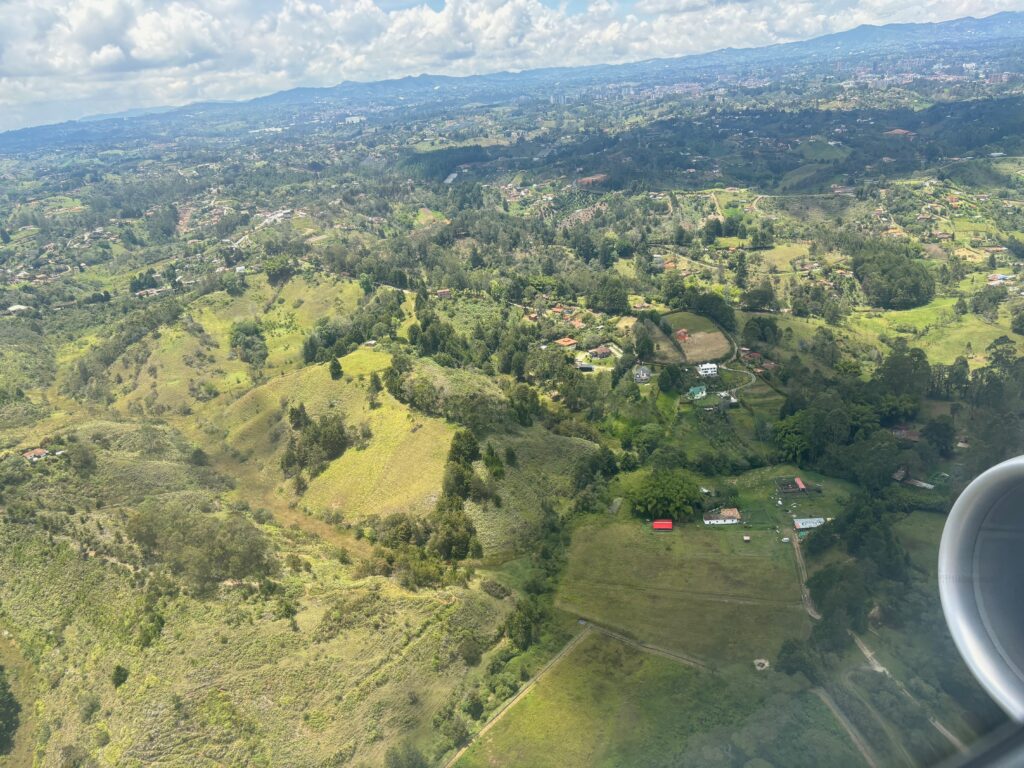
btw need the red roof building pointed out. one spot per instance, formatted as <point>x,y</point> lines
<point>800,484</point>
<point>662,525</point>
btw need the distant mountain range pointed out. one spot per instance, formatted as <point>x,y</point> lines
<point>1002,33</point>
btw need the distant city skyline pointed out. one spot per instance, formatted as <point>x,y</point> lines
<point>65,59</point>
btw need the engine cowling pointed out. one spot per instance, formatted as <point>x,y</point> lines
<point>981,581</point>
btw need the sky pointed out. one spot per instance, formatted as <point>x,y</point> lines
<point>64,59</point>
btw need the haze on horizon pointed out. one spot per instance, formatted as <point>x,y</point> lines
<point>66,59</point>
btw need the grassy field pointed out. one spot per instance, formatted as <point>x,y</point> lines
<point>821,150</point>
<point>920,533</point>
<point>400,468</point>
<point>690,322</point>
<point>759,502</point>
<point>466,313</point>
<point>544,468</point>
<point>21,676</point>
<point>165,373</point>
<point>230,680</point>
<point>665,351</point>
<point>938,330</point>
<point>696,590</point>
<point>706,342</point>
<point>782,255</point>
<point>645,710</point>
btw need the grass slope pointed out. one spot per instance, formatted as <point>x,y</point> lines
<point>607,704</point>
<point>697,590</point>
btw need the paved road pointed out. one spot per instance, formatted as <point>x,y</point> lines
<point>854,734</point>
<point>753,378</point>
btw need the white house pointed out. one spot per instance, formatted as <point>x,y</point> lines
<point>728,516</point>
<point>707,369</point>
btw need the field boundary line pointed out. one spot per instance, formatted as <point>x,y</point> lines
<point>682,658</point>
<point>514,699</point>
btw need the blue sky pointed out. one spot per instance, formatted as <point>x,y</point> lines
<point>63,59</point>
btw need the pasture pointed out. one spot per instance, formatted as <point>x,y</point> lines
<point>399,469</point>
<point>706,342</point>
<point>696,590</point>
<point>543,468</point>
<point>665,351</point>
<point>643,709</point>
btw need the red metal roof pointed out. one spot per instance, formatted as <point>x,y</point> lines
<point>662,525</point>
<point>800,484</point>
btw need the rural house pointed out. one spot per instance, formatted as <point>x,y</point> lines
<point>641,374</point>
<point>724,516</point>
<point>707,369</point>
<point>566,343</point>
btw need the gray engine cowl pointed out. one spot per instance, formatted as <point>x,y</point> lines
<point>981,581</point>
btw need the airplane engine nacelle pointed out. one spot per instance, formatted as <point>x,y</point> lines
<point>981,581</point>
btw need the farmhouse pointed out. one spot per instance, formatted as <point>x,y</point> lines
<point>726,516</point>
<point>707,369</point>
<point>641,374</point>
<point>662,525</point>
<point>444,293</point>
<point>682,335</point>
<point>566,343</point>
<point>794,485</point>
<point>35,454</point>
<point>600,353</point>
<point>697,393</point>
<point>807,523</point>
<point>903,432</point>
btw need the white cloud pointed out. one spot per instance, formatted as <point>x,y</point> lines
<point>65,58</point>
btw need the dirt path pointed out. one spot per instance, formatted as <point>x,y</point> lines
<point>711,597</point>
<point>891,731</point>
<point>877,667</point>
<point>682,658</point>
<point>852,732</point>
<point>521,693</point>
<point>588,628</point>
<point>805,594</point>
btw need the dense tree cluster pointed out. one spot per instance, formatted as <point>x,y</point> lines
<point>201,548</point>
<point>314,442</point>
<point>248,342</point>
<point>667,493</point>
<point>376,319</point>
<point>888,270</point>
